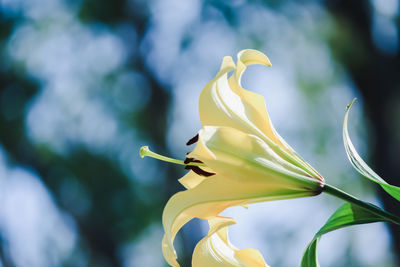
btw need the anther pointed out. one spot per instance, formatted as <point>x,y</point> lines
<point>193,140</point>
<point>199,171</point>
<point>188,160</point>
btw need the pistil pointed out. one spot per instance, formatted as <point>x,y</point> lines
<point>146,152</point>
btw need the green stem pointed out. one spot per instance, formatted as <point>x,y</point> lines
<point>331,190</point>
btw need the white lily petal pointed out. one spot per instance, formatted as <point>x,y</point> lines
<point>248,158</point>
<point>215,250</point>
<point>251,163</point>
<point>224,102</point>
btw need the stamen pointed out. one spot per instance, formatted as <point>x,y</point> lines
<point>199,171</point>
<point>146,152</point>
<point>188,160</point>
<point>193,140</point>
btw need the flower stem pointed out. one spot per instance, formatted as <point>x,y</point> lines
<point>331,190</point>
<point>146,152</point>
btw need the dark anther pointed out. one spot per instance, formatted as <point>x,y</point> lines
<point>199,171</point>
<point>193,140</point>
<point>188,160</point>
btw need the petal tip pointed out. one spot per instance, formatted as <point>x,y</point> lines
<point>252,56</point>
<point>227,64</point>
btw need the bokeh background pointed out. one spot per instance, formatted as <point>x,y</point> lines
<point>85,83</point>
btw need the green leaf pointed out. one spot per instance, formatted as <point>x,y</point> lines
<point>360,165</point>
<point>310,257</point>
<point>348,214</point>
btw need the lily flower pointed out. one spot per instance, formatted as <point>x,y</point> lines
<point>239,159</point>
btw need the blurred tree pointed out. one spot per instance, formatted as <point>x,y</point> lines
<point>116,214</point>
<point>376,75</point>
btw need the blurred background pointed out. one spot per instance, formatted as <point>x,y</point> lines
<point>85,83</point>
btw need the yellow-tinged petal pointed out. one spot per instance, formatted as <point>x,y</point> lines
<point>203,201</point>
<point>243,106</point>
<point>210,197</point>
<point>191,180</point>
<point>250,257</point>
<point>248,159</point>
<point>215,250</point>
<point>255,103</point>
<point>251,163</point>
<point>247,170</point>
<point>220,106</point>
<point>223,102</point>
<point>252,56</point>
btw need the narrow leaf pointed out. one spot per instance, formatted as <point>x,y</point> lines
<point>348,214</point>
<point>360,165</point>
<point>310,257</point>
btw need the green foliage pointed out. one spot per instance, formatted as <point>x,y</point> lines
<point>103,11</point>
<point>347,215</point>
<point>360,165</point>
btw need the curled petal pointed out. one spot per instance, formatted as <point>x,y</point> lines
<point>210,197</point>
<point>250,257</point>
<point>223,102</point>
<point>215,250</point>
<point>222,106</point>
<point>203,201</point>
<point>191,180</point>
<point>254,103</point>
